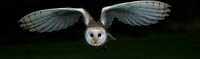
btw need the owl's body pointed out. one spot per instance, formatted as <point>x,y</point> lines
<point>136,13</point>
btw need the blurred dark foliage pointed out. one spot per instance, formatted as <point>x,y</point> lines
<point>184,17</point>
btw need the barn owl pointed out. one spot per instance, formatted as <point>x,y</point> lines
<point>135,13</point>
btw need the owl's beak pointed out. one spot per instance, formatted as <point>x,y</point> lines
<point>95,39</point>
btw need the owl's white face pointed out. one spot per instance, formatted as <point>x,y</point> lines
<point>96,36</point>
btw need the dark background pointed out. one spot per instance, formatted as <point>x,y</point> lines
<point>176,37</point>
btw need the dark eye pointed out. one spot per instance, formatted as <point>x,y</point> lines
<point>99,35</point>
<point>91,35</point>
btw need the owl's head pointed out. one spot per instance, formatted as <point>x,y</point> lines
<point>95,36</point>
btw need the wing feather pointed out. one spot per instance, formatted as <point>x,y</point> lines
<point>137,20</point>
<point>33,23</point>
<point>37,26</point>
<point>52,26</point>
<point>56,26</point>
<point>145,17</point>
<point>60,25</point>
<point>54,19</point>
<point>135,13</point>
<point>45,25</point>
<point>131,22</point>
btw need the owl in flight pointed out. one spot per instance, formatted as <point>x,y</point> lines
<point>135,13</point>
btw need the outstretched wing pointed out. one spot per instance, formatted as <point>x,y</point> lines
<point>48,20</point>
<point>135,13</point>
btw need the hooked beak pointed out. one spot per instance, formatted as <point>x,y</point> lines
<point>95,39</point>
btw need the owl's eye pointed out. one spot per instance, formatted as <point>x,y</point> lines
<point>91,35</point>
<point>99,35</point>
